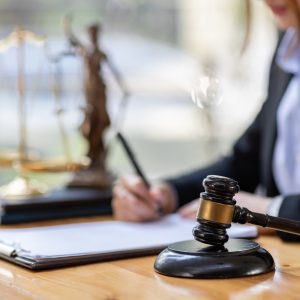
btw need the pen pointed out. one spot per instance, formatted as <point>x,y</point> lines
<point>132,159</point>
<point>136,165</point>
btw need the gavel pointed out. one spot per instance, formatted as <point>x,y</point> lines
<point>218,209</point>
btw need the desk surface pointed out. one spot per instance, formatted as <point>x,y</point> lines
<point>136,279</point>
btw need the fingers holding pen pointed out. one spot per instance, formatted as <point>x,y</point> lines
<point>128,207</point>
<point>131,203</point>
<point>135,185</point>
<point>164,197</point>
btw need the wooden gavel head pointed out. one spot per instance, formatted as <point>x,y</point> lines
<point>216,210</point>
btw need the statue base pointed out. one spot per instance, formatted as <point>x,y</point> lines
<point>192,259</point>
<point>56,204</point>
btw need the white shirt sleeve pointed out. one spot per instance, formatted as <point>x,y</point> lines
<point>273,209</point>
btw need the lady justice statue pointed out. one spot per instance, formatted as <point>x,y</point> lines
<point>96,119</point>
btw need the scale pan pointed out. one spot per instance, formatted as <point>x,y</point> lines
<point>8,159</point>
<point>55,165</point>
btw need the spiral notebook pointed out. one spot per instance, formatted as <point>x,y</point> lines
<point>74,244</point>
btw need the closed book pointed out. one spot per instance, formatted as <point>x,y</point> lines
<point>58,203</point>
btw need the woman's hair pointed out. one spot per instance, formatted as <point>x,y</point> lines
<point>248,17</point>
<point>296,9</point>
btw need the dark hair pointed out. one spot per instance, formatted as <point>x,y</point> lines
<point>295,7</point>
<point>248,17</point>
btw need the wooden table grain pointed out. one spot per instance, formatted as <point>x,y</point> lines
<point>131,279</point>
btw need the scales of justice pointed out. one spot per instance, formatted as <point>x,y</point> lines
<point>89,171</point>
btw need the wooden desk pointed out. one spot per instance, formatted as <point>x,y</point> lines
<point>136,279</point>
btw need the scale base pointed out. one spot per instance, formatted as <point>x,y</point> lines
<point>192,259</point>
<point>21,188</point>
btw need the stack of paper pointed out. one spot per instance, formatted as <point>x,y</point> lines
<point>53,246</point>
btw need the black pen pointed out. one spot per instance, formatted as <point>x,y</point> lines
<point>132,159</point>
<point>136,165</point>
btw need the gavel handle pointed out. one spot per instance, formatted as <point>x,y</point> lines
<point>244,215</point>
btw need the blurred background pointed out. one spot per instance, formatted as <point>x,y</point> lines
<point>164,50</point>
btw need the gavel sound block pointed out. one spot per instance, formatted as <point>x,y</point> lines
<point>212,254</point>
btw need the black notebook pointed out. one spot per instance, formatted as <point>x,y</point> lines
<point>59,203</point>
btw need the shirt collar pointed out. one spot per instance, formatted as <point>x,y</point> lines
<point>289,62</point>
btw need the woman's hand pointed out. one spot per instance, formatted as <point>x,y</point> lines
<point>251,201</point>
<point>133,201</point>
<point>189,210</point>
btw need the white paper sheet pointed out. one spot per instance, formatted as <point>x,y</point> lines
<point>105,237</point>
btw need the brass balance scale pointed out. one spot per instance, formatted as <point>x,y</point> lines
<point>22,161</point>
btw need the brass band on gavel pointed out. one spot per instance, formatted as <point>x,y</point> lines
<point>214,211</point>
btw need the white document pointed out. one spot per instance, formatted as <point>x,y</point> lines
<point>104,237</point>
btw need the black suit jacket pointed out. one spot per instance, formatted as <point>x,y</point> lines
<point>251,160</point>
